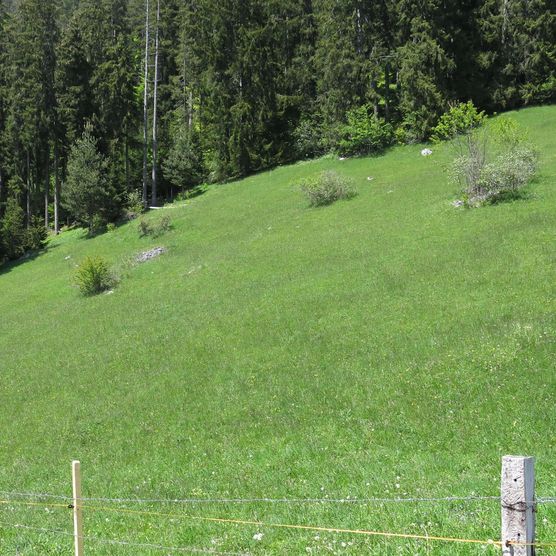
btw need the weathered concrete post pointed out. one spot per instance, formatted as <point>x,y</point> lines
<point>518,505</point>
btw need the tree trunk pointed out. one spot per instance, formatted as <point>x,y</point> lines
<point>190,112</point>
<point>47,192</point>
<point>126,156</point>
<point>376,96</point>
<point>146,109</point>
<point>56,192</point>
<point>155,111</point>
<point>28,187</point>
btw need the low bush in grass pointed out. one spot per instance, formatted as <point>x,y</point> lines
<point>507,175</point>
<point>154,229</point>
<point>326,188</point>
<point>501,179</point>
<point>93,276</point>
<point>494,163</point>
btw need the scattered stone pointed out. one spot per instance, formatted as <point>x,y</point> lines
<point>426,152</point>
<point>151,254</point>
<point>109,292</point>
<point>67,258</point>
<point>343,158</point>
<point>457,203</point>
<point>370,178</point>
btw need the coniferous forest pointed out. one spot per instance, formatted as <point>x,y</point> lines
<point>110,104</point>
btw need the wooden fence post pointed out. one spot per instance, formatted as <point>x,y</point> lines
<point>77,511</point>
<point>518,505</point>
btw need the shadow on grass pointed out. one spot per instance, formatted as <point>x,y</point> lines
<point>8,266</point>
<point>510,197</point>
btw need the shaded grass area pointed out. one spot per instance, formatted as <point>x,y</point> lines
<point>390,345</point>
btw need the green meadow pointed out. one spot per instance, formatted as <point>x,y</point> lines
<point>387,346</point>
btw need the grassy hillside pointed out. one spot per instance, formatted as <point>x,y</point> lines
<point>390,345</point>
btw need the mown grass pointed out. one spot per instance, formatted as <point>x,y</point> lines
<point>390,345</point>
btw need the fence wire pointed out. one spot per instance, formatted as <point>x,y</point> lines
<point>153,546</point>
<point>346,500</point>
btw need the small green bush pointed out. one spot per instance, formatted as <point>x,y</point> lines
<point>98,225</point>
<point>144,228</point>
<point>93,276</point>
<point>508,134</point>
<point>154,229</point>
<point>461,119</point>
<point>326,188</point>
<point>111,227</point>
<point>134,205</point>
<point>36,234</point>
<point>365,133</point>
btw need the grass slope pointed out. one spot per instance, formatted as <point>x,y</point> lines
<point>390,345</point>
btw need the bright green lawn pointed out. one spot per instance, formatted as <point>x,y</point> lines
<point>391,345</point>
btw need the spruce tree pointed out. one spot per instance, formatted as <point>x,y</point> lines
<point>13,234</point>
<point>87,192</point>
<point>73,83</point>
<point>32,35</point>
<point>424,70</point>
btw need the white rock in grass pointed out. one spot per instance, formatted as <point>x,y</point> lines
<point>370,178</point>
<point>258,537</point>
<point>151,254</point>
<point>426,152</point>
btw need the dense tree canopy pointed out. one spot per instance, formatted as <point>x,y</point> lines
<point>241,85</point>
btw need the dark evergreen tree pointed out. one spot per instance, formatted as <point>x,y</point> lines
<point>73,83</point>
<point>32,36</point>
<point>241,85</point>
<point>13,234</point>
<point>518,51</point>
<point>87,192</point>
<point>4,76</point>
<point>423,72</point>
